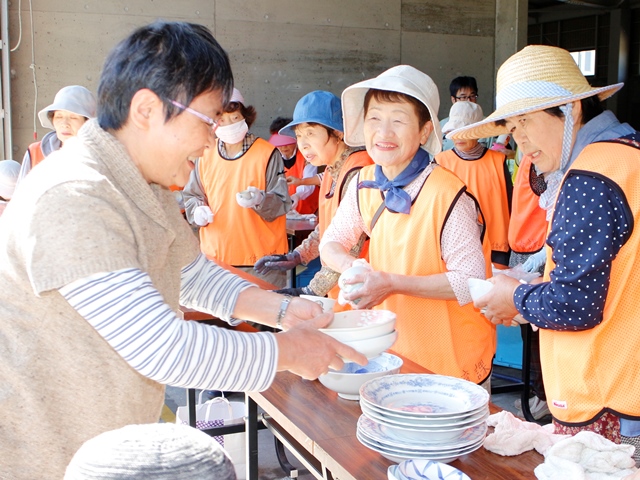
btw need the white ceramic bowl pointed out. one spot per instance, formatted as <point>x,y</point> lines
<point>347,381</point>
<point>372,347</point>
<point>420,469</point>
<point>327,304</point>
<point>354,325</point>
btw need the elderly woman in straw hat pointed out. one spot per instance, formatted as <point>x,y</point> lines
<point>425,240</point>
<point>587,304</point>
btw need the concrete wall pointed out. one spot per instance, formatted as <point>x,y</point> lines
<point>280,49</point>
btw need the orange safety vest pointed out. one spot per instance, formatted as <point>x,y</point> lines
<point>528,225</point>
<point>328,204</point>
<point>589,372</point>
<point>440,335</point>
<point>238,236</point>
<point>485,180</point>
<point>35,153</point>
<point>309,204</point>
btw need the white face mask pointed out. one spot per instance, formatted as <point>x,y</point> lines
<point>233,133</point>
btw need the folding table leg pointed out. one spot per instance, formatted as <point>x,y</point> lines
<point>251,427</point>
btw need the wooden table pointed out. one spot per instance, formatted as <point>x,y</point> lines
<point>323,428</point>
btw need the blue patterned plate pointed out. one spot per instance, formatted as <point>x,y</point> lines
<point>424,395</point>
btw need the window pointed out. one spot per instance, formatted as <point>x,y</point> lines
<point>586,61</point>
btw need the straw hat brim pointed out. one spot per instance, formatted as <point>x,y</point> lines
<point>488,128</point>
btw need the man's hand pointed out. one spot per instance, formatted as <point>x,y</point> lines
<point>305,351</point>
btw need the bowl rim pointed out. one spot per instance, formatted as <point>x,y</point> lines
<point>392,318</point>
<point>336,372</point>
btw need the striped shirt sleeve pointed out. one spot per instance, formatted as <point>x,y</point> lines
<point>130,314</point>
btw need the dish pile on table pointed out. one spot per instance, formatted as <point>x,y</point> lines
<point>422,416</point>
<point>370,332</point>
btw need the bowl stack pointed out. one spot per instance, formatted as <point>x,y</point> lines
<point>422,416</point>
<point>369,332</point>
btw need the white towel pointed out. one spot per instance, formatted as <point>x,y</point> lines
<point>513,436</point>
<point>586,456</point>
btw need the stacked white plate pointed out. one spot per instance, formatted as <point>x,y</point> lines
<point>424,416</point>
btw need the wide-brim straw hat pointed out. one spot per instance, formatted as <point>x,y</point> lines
<point>536,78</point>
<point>403,79</point>
<point>73,98</point>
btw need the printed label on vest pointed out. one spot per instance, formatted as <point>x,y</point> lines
<point>559,404</point>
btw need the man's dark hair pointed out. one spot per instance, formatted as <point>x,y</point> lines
<point>176,60</point>
<point>462,82</point>
<point>278,123</point>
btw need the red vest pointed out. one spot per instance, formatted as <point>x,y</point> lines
<point>440,335</point>
<point>238,236</point>
<point>309,204</point>
<point>528,225</point>
<point>485,180</point>
<point>35,153</point>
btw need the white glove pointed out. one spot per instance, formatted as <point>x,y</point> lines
<point>535,261</point>
<point>202,215</point>
<point>249,198</point>
<point>295,199</point>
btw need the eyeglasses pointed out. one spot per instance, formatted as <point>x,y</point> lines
<point>209,121</point>
<point>467,98</point>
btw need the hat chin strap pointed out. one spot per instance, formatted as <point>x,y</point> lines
<point>554,179</point>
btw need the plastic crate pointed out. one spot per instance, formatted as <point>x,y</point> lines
<point>509,351</point>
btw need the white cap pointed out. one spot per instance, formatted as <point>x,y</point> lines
<point>9,170</point>
<point>461,115</point>
<point>74,98</point>
<point>237,97</point>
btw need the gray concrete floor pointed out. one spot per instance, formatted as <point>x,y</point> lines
<point>269,466</point>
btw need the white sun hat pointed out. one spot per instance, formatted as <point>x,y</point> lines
<point>74,98</point>
<point>402,79</point>
<point>536,78</point>
<point>462,114</point>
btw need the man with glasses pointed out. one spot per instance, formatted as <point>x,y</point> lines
<point>95,259</point>
<point>462,89</point>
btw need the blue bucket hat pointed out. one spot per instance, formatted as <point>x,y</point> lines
<point>316,107</point>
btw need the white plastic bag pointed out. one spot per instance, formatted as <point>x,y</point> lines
<point>218,412</point>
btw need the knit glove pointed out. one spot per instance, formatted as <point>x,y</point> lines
<point>535,261</point>
<point>296,292</point>
<point>250,198</point>
<point>277,262</point>
<point>202,215</point>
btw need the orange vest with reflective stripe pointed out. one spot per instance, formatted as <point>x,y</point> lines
<point>309,204</point>
<point>528,225</point>
<point>35,153</point>
<point>440,335</point>
<point>238,236</point>
<point>329,204</point>
<point>596,370</point>
<point>485,180</point>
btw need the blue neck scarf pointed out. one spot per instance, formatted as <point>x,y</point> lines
<point>396,199</point>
